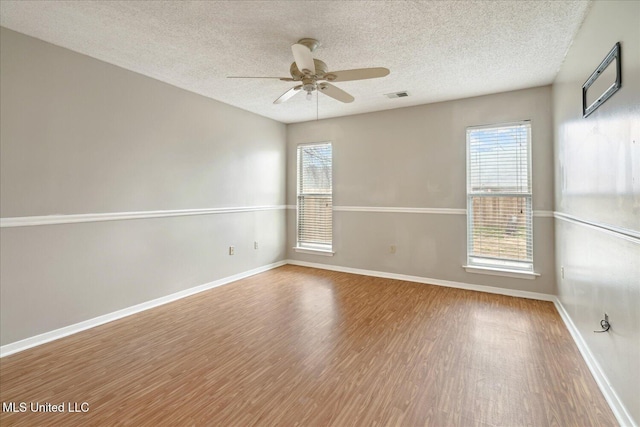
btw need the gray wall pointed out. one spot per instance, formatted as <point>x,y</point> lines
<point>598,182</point>
<point>416,157</point>
<point>81,136</point>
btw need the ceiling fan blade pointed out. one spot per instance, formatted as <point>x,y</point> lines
<point>284,79</point>
<point>357,74</point>
<point>303,58</point>
<point>335,92</point>
<point>288,94</point>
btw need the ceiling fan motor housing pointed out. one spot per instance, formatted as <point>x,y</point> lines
<point>321,71</point>
<point>314,74</point>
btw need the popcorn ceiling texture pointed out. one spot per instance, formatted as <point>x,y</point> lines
<point>436,50</point>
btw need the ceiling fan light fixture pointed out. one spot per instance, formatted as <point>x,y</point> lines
<point>308,85</point>
<point>312,72</point>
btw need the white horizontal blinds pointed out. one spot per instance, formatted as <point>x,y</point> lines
<point>500,227</point>
<point>315,198</point>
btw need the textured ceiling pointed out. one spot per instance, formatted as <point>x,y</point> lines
<point>436,50</point>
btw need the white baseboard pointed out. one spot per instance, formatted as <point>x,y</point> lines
<point>46,337</point>
<point>427,280</point>
<point>616,405</point>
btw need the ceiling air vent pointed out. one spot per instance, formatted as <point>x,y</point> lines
<point>402,94</point>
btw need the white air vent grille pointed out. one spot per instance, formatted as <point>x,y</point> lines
<point>401,94</point>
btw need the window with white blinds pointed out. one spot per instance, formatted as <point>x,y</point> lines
<point>499,206</point>
<point>315,196</point>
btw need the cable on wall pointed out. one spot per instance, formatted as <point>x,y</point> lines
<point>604,324</point>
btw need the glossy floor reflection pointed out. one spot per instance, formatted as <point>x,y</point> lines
<point>299,346</point>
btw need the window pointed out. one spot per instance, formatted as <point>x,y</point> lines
<point>499,207</point>
<point>315,197</point>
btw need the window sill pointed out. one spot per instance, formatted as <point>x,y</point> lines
<point>518,274</point>
<point>311,251</point>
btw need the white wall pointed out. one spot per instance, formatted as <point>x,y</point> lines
<point>598,186</point>
<point>81,136</point>
<point>415,158</point>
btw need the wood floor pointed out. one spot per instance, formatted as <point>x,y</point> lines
<point>303,347</point>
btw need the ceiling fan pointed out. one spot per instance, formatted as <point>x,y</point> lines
<point>314,74</point>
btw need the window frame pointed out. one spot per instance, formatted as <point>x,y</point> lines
<point>500,265</point>
<point>306,247</point>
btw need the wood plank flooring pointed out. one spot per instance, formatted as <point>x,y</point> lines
<point>302,347</point>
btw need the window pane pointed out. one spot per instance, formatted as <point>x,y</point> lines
<point>316,169</point>
<point>499,159</point>
<point>314,216</point>
<point>315,203</point>
<point>499,215</point>
<point>500,227</point>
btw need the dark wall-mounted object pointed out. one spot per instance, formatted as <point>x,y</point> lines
<point>601,96</point>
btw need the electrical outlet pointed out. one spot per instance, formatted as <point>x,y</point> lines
<point>232,250</point>
<point>255,245</point>
<point>392,249</point>
<point>562,272</point>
